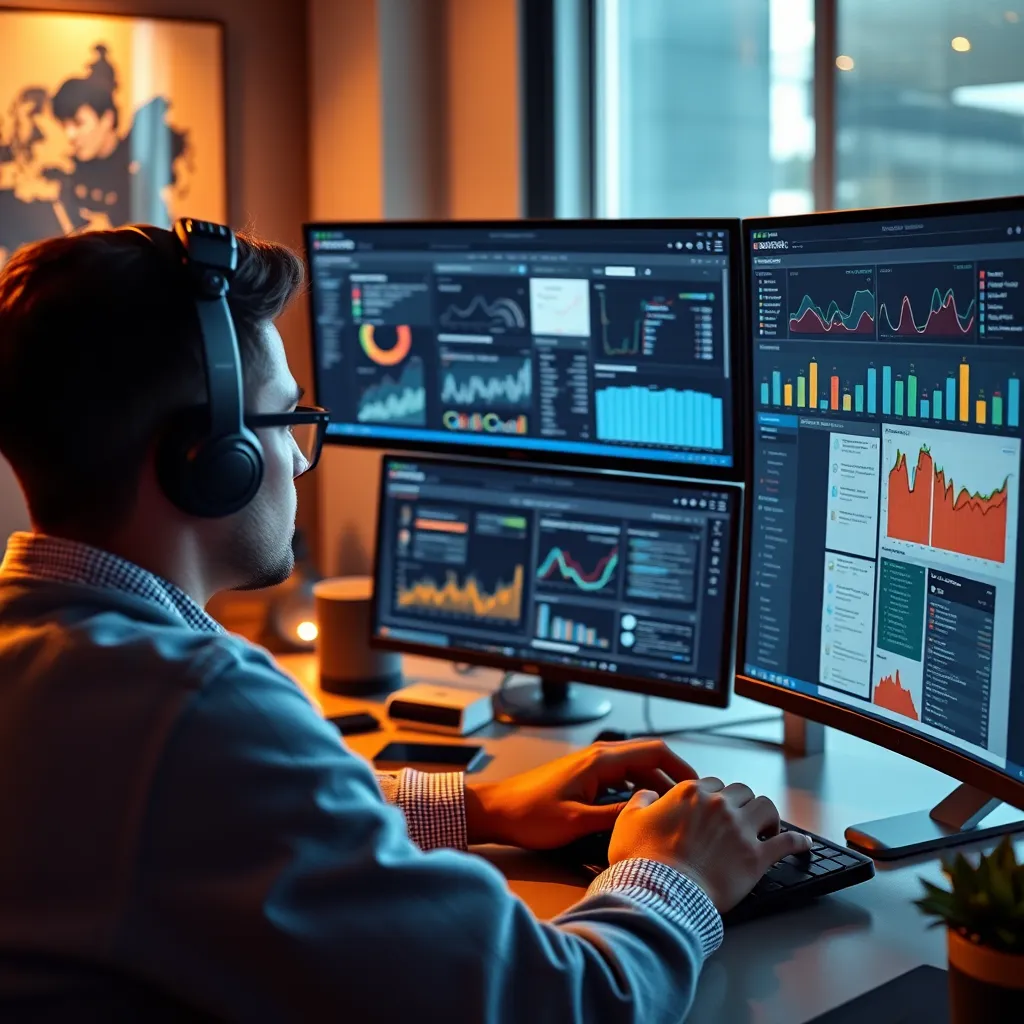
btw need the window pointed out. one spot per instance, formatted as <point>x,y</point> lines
<point>708,108</point>
<point>931,107</point>
<point>702,109</point>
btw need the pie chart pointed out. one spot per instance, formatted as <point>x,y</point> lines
<point>386,346</point>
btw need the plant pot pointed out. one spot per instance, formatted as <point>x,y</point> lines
<point>985,986</point>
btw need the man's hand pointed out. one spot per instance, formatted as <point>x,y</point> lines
<point>554,804</point>
<point>710,833</point>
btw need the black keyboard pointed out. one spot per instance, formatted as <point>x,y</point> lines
<point>826,868</point>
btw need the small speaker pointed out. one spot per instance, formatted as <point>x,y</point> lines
<point>445,709</point>
<point>348,665</point>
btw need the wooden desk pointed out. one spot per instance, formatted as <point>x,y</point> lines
<point>787,968</point>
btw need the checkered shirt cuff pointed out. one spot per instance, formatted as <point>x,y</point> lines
<point>666,891</point>
<point>434,805</point>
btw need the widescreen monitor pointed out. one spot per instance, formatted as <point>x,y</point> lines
<point>623,581</point>
<point>590,340</point>
<point>883,589</point>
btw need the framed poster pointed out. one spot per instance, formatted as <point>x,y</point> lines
<point>108,120</point>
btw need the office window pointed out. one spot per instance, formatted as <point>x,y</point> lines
<point>703,109</point>
<point>707,107</point>
<point>931,106</point>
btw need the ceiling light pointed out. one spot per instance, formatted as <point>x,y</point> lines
<point>960,43</point>
<point>844,63</point>
<point>1012,17</point>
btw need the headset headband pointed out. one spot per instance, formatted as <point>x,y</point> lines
<point>210,254</point>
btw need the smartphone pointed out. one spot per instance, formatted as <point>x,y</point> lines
<point>429,757</point>
<point>349,725</point>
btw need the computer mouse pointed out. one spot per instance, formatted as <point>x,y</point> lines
<point>610,735</point>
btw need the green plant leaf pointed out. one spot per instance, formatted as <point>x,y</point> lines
<point>985,900</point>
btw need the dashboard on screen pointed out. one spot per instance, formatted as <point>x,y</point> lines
<point>627,577</point>
<point>886,466</point>
<point>596,340</point>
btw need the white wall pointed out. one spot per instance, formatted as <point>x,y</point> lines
<point>430,130</point>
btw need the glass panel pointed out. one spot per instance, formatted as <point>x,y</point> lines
<point>704,109</point>
<point>930,106</point>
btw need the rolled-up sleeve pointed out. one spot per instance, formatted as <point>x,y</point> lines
<point>434,805</point>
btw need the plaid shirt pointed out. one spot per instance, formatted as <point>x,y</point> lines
<point>433,804</point>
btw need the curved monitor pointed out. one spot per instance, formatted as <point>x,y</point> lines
<point>622,581</point>
<point>883,593</point>
<point>596,340</point>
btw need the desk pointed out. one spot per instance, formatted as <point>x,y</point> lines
<point>784,969</point>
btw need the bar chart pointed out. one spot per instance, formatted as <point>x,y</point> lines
<point>665,417</point>
<point>586,629</point>
<point>963,393</point>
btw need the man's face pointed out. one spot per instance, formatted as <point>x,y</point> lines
<point>255,544</point>
<point>89,133</point>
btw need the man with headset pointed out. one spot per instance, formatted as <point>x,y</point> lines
<point>183,836</point>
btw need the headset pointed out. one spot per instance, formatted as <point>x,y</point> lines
<point>209,463</point>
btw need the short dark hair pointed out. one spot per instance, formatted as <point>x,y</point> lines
<point>96,90</point>
<point>99,348</point>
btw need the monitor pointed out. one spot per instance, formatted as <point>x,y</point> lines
<point>535,340</point>
<point>882,594</point>
<point>623,581</point>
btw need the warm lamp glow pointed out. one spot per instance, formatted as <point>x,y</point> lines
<point>844,63</point>
<point>306,631</point>
<point>961,44</point>
<point>1012,17</point>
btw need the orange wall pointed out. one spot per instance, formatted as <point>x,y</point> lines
<point>483,108</point>
<point>479,129</point>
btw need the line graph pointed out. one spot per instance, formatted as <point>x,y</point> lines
<point>500,383</point>
<point>930,300</point>
<point>503,602</point>
<point>559,563</point>
<point>822,301</point>
<point>560,306</point>
<point>479,313</point>
<point>943,317</point>
<point>637,320</point>
<point>401,402</point>
<point>809,317</point>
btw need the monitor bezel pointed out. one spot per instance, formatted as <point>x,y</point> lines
<point>735,299</point>
<point>718,697</point>
<point>928,752</point>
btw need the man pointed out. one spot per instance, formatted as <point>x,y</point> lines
<point>182,832</point>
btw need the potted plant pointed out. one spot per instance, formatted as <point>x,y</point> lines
<point>984,916</point>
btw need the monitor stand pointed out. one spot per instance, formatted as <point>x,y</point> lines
<point>548,702</point>
<point>962,817</point>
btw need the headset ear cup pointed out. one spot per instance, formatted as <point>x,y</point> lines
<point>208,478</point>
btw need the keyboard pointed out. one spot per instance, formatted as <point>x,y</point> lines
<point>826,868</point>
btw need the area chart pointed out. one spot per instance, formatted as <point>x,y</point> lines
<point>469,597</point>
<point>926,506</point>
<point>401,402</point>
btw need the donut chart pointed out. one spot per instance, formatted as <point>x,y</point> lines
<point>386,356</point>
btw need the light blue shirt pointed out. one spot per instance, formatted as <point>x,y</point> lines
<point>181,829</point>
